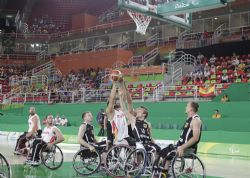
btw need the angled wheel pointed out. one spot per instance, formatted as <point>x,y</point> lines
<point>157,167</point>
<point>51,158</point>
<point>86,162</point>
<point>149,164</point>
<point>136,163</point>
<point>188,166</point>
<point>115,160</point>
<point>5,171</point>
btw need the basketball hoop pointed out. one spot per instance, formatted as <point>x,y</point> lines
<point>142,21</point>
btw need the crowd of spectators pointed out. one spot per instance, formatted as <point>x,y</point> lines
<point>58,120</point>
<point>228,69</point>
<point>7,72</point>
<point>81,80</point>
<point>45,25</point>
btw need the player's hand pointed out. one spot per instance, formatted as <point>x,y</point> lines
<point>49,145</point>
<point>28,135</point>
<point>91,148</point>
<point>180,151</point>
<point>139,146</point>
<point>121,80</point>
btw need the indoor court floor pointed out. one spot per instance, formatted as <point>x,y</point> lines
<point>216,165</point>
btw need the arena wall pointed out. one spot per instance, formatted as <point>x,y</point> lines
<point>236,92</point>
<point>102,59</point>
<point>223,49</point>
<point>166,116</point>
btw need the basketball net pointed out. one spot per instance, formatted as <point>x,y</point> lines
<point>142,21</point>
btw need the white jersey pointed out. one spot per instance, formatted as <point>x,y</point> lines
<point>31,124</point>
<point>48,135</point>
<point>119,126</point>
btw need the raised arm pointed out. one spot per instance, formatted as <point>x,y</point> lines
<point>129,100</point>
<point>128,115</point>
<point>110,107</point>
<point>81,132</point>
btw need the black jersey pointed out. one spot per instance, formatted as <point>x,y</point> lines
<point>110,135</point>
<point>142,132</point>
<point>89,136</point>
<point>187,133</point>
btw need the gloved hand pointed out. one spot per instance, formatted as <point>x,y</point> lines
<point>139,146</point>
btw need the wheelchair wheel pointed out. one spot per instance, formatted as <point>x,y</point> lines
<point>149,164</point>
<point>5,171</point>
<point>157,167</point>
<point>86,162</point>
<point>115,160</point>
<point>136,163</point>
<point>188,166</point>
<point>51,158</point>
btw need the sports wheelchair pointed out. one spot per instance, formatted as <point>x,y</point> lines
<point>5,171</point>
<point>139,162</point>
<point>86,162</point>
<point>52,158</point>
<point>189,165</point>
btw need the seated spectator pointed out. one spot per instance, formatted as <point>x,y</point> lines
<point>212,59</point>
<point>235,62</point>
<point>248,73</point>
<point>224,78</point>
<point>207,67</point>
<point>200,57</point>
<point>225,98</point>
<point>241,65</point>
<point>212,70</point>
<point>45,120</point>
<point>57,120</point>
<point>64,121</point>
<point>216,115</point>
<point>206,74</point>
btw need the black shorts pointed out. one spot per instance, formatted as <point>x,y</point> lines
<point>169,152</point>
<point>98,146</point>
<point>152,147</point>
<point>131,141</point>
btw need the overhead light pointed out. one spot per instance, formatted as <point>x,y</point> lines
<point>216,18</point>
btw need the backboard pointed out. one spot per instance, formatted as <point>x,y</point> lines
<point>178,12</point>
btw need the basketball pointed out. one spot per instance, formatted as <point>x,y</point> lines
<point>116,75</point>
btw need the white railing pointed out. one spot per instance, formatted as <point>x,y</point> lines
<point>152,40</point>
<point>43,67</point>
<point>177,62</point>
<point>196,40</point>
<point>158,93</point>
<point>219,30</point>
<point>99,45</point>
<point>41,56</point>
<point>150,55</point>
<point>124,44</point>
<point>20,84</point>
<point>143,59</point>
